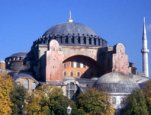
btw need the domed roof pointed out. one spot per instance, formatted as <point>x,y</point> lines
<point>71,34</point>
<point>70,28</point>
<point>115,82</point>
<point>19,54</point>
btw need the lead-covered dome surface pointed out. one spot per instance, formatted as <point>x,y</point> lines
<point>70,28</point>
<point>72,34</point>
<point>19,54</point>
<point>115,82</point>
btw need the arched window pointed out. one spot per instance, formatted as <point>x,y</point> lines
<point>78,74</point>
<point>66,40</point>
<point>65,65</point>
<point>79,39</point>
<point>71,74</point>
<point>61,40</point>
<point>71,90</point>
<point>90,42</point>
<point>72,40</point>
<point>72,64</point>
<point>94,41</point>
<point>84,41</point>
<point>65,74</point>
<point>99,42</point>
<point>78,64</point>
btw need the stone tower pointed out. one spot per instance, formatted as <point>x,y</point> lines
<point>145,51</point>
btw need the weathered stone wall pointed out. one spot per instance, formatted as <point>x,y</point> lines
<point>120,59</point>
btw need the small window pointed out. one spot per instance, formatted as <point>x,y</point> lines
<point>99,41</point>
<point>65,74</point>
<point>78,65</point>
<point>65,65</point>
<point>94,41</point>
<point>71,74</point>
<point>72,64</point>
<point>84,66</point>
<point>72,40</point>
<point>78,74</point>
<point>90,42</point>
<point>79,40</point>
<point>66,40</point>
<point>84,40</point>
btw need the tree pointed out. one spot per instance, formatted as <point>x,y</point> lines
<point>135,104</point>
<point>95,102</point>
<point>6,86</point>
<point>147,92</point>
<point>17,96</point>
<point>48,100</point>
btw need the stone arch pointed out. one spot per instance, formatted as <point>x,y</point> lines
<point>86,66</point>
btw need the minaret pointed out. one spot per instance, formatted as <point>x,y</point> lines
<point>145,51</point>
<point>70,17</point>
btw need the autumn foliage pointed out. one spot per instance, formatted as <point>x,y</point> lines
<point>6,86</point>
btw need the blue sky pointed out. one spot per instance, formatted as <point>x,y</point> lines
<point>23,21</point>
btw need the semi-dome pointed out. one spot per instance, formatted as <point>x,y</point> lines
<point>115,82</point>
<point>71,33</point>
<point>70,28</point>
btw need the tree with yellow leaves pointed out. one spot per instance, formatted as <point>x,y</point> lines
<point>6,86</point>
<point>49,100</point>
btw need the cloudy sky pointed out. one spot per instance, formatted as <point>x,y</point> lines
<point>23,21</point>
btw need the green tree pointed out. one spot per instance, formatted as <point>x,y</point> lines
<point>135,104</point>
<point>95,102</point>
<point>17,96</point>
<point>48,100</point>
<point>147,92</point>
<point>6,86</point>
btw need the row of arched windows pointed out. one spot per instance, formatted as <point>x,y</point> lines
<point>71,74</point>
<point>74,40</point>
<point>75,65</point>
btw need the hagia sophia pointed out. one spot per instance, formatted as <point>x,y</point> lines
<point>72,56</point>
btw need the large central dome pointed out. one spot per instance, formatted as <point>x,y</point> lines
<point>70,28</point>
<point>70,34</point>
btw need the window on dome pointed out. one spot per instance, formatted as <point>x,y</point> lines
<point>98,41</point>
<point>90,42</point>
<point>66,40</point>
<point>79,40</point>
<point>60,39</point>
<point>94,41</point>
<point>84,40</point>
<point>72,40</point>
